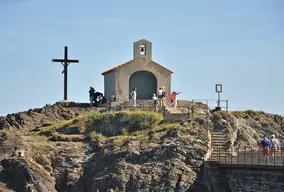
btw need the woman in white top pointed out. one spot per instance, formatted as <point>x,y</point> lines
<point>275,146</point>
<point>133,97</point>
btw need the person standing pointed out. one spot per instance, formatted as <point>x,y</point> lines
<point>174,98</point>
<point>275,145</point>
<point>265,143</point>
<point>133,95</point>
<point>156,102</point>
<point>160,96</point>
<point>164,94</point>
<point>91,95</point>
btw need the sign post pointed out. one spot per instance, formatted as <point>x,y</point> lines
<point>218,90</point>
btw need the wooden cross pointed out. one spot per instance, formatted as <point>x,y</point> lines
<point>65,62</point>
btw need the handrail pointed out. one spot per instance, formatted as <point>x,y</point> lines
<point>249,156</point>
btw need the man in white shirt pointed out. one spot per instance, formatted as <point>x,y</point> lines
<point>133,97</point>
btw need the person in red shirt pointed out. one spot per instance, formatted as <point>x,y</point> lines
<point>174,98</point>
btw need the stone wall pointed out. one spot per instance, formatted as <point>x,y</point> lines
<point>245,180</point>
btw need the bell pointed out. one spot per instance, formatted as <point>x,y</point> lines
<point>142,49</point>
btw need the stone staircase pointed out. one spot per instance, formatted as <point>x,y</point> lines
<point>219,141</point>
<point>72,134</point>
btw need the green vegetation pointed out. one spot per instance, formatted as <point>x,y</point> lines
<point>119,123</point>
<point>221,114</point>
<point>141,134</point>
<point>53,127</point>
<point>112,126</point>
<point>237,114</point>
<point>242,114</point>
<point>4,133</point>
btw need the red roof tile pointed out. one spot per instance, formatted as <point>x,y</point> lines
<point>121,65</point>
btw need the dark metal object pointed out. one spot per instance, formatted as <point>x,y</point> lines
<point>65,62</point>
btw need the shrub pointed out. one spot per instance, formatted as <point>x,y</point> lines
<point>117,123</point>
<point>221,114</point>
<point>4,133</point>
<point>96,137</point>
<point>238,114</point>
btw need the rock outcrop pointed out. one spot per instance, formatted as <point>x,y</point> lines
<point>69,147</point>
<point>37,117</point>
<point>247,128</point>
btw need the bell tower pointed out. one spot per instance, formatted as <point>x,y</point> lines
<point>142,49</point>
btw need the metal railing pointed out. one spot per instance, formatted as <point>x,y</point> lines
<point>248,156</point>
<point>213,103</point>
<point>181,112</point>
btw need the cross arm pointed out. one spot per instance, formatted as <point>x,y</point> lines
<point>72,61</point>
<point>57,60</point>
<point>68,61</point>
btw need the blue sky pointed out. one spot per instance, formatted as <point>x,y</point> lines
<point>237,43</point>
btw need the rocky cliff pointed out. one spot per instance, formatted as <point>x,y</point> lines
<point>71,147</point>
<point>247,128</point>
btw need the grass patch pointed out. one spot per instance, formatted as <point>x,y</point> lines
<point>243,114</point>
<point>163,127</point>
<point>221,114</point>
<point>53,127</point>
<point>122,123</point>
<point>4,133</point>
<point>97,137</point>
<point>113,127</point>
<point>140,134</point>
<point>238,114</point>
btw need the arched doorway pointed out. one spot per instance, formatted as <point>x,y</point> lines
<point>145,82</point>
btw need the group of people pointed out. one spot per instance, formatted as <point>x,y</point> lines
<point>96,98</point>
<point>159,98</point>
<point>268,145</point>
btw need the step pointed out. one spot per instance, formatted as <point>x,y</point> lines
<point>218,145</point>
<point>219,136</point>
<point>67,138</point>
<point>218,148</point>
<point>219,141</point>
<point>216,133</point>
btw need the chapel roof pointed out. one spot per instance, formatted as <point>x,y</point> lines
<point>123,64</point>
